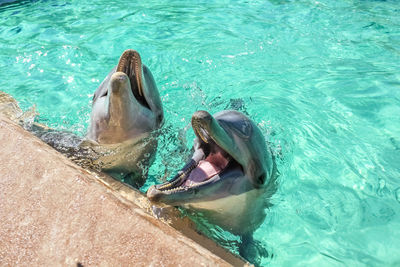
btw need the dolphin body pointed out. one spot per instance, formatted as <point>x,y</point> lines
<point>228,176</point>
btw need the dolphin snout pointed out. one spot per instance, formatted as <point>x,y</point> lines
<point>201,123</point>
<point>118,81</point>
<point>152,193</point>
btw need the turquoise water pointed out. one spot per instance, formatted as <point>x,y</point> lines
<point>321,78</point>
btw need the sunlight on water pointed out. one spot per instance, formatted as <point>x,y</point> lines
<point>321,78</point>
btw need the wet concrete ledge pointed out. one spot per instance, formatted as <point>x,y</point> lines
<point>53,212</point>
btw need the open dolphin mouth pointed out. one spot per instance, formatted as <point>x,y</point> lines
<point>130,63</point>
<point>208,164</point>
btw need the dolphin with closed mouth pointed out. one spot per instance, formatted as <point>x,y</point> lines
<point>228,174</point>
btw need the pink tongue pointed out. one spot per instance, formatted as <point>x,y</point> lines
<point>207,168</point>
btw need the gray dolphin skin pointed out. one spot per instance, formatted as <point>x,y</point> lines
<point>228,175</point>
<point>126,109</point>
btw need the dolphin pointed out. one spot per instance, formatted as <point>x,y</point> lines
<point>126,110</point>
<point>228,175</point>
<point>120,139</point>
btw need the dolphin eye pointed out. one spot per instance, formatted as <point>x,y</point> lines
<point>261,179</point>
<point>104,94</point>
<point>160,118</point>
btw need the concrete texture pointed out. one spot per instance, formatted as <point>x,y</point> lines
<point>53,212</point>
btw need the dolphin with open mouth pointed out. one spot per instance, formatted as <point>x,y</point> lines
<point>228,174</point>
<point>126,104</point>
<point>120,140</point>
<point>126,109</point>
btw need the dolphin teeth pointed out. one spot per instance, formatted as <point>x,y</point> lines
<point>138,72</point>
<point>131,64</point>
<point>179,178</point>
<point>200,131</point>
<point>202,135</point>
<point>174,189</point>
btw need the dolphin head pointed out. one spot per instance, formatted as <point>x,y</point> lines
<point>230,158</point>
<point>126,104</point>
